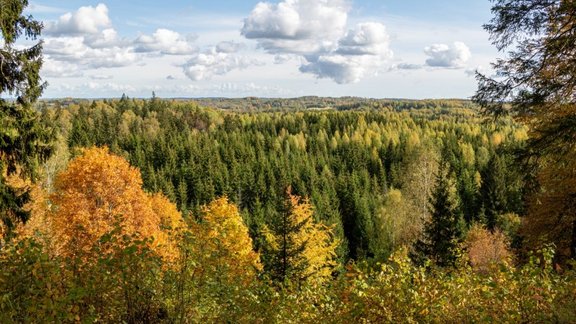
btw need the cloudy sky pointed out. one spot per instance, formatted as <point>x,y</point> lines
<point>276,48</point>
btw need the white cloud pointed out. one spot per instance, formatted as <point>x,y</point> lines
<point>368,38</point>
<point>205,65</point>
<point>297,26</point>
<point>57,69</point>
<point>361,52</point>
<point>165,41</point>
<point>85,39</point>
<point>445,56</point>
<point>73,50</point>
<point>316,30</point>
<point>340,68</point>
<point>106,38</point>
<point>86,20</point>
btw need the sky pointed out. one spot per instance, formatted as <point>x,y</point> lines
<point>279,48</point>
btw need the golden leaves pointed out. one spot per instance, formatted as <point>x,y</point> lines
<point>95,191</point>
<point>227,241</point>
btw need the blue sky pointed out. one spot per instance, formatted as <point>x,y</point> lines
<point>279,48</point>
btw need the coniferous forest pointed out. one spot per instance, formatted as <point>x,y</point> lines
<point>295,210</point>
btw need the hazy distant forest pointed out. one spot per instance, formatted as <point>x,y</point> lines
<point>295,210</point>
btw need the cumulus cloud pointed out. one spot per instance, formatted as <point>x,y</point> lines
<point>296,26</point>
<point>445,56</point>
<point>106,38</point>
<point>165,41</point>
<point>205,65</point>
<point>317,32</point>
<point>86,20</point>
<point>85,39</point>
<point>368,38</point>
<point>339,68</point>
<point>73,50</point>
<point>109,86</point>
<point>361,52</point>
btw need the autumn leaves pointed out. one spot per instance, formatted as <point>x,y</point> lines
<point>100,193</point>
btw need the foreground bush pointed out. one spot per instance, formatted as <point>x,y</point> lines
<point>130,284</point>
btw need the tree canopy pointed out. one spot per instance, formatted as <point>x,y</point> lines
<point>99,191</point>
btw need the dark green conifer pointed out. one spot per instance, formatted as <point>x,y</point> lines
<point>23,142</point>
<point>444,230</point>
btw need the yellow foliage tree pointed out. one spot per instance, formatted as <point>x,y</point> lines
<point>99,191</point>
<point>224,245</point>
<point>299,249</point>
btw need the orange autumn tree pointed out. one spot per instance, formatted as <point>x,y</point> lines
<point>224,244</point>
<point>99,192</point>
<point>486,250</point>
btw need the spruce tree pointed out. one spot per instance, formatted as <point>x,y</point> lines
<point>493,191</point>
<point>444,230</point>
<point>298,249</point>
<point>23,142</point>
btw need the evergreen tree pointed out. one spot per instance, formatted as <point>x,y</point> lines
<point>444,231</point>
<point>493,191</point>
<point>22,139</point>
<point>298,249</point>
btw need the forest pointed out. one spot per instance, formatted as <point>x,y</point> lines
<point>311,209</point>
<point>161,210</point>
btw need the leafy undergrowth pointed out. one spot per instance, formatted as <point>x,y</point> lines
<point>129,282</point>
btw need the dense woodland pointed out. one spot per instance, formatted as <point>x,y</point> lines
<point>295,210</point>
<point>360,169</point>
<point>164,210</point>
